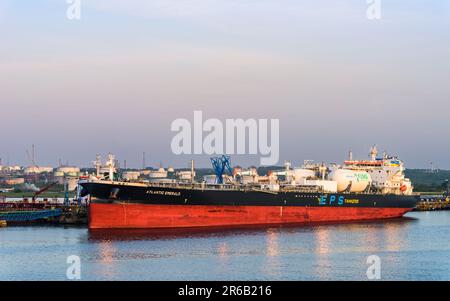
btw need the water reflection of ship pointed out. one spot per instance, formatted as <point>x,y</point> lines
<point>223,251</point>
<point>322,240</point>
<point>370,237</point>
<point>173,233</point>
<point>322,250</point>
<point>272,243</point>
<point>272,267</point>
<point>155,234</point>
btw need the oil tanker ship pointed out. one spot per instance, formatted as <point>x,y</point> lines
<point>359,190</point>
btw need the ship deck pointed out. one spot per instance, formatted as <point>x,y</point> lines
<point>221,187</point>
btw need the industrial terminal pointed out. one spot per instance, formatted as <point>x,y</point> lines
<point>37,193</point>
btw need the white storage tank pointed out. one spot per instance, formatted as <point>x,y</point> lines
<point>326,185</point>
<point>185,175</point>
<point>209,179</point>
<point>68,169</point>
<point>360,180</point>
<point>301,174</point>
<point>73,174</point>
<point>58,174</point>
<point>37,169</point>
<point>158,174</point>
<point>131,175</point>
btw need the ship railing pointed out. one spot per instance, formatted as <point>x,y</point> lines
<point>209,186</point>
<point>302,188</point>
<point>202,186</point>
<point>234,187</point>
<point>251,187</point>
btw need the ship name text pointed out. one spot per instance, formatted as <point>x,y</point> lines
<point>162,192</point>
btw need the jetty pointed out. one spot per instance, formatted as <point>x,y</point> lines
<point>25,212</point>
<point>433,202</point>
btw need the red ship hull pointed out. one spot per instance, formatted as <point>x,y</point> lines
<point>107,216</point>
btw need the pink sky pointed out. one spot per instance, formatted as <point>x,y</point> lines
<point>116,79</point>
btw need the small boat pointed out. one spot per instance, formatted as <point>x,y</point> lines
<point>20,216</point>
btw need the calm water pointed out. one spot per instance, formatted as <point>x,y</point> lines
<point>412,248</point>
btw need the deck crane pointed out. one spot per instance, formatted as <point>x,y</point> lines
<point>221,165</point>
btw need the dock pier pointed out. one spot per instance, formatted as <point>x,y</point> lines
<point>45,211</point>
<point>433,202</point>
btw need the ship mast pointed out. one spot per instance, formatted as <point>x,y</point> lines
<point>98,164</point>
<point>192,171</point>
<point>111,163</point>
<point>373,153</point>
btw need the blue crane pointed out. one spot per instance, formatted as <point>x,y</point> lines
<point>221,165</point>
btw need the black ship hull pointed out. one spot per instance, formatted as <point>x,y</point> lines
<point>125,205</point>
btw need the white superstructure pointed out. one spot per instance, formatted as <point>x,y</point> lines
<point>383,175</point>
<point>386,173</point>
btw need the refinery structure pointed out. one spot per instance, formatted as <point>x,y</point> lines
<point>33,177</point>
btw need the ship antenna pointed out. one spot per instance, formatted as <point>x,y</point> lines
<point>97,164</point>
<point>192,172</point>
<point>111,163</point>
<point>373,153</point>
<point>143,160</point>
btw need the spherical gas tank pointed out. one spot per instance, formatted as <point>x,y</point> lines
<point>360,180</point>
<point>302,173</point>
